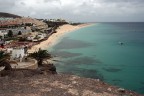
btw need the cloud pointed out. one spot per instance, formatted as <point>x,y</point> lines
<point>77,10</point>
<point>6,5</point>
<point>52,1</point>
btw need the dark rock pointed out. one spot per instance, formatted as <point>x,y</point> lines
<point>121,90</point>
<point>5,73</point>
<point>48,68</point>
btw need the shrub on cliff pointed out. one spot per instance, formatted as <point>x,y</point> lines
<point>40,56</point>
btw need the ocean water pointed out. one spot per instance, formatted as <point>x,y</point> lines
<point>95,52</point>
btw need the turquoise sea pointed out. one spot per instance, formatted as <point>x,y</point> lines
<point>95,52</point>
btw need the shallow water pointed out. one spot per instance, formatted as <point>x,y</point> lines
<point>95,52</point>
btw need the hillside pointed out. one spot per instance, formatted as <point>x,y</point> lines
<point>8,15</point>
<point>28,83</point>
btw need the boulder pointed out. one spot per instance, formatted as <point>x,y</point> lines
<point>109,89</point>
<point>50,68</point>
<point>121,90</point>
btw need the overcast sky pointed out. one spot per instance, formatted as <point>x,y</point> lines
<point>77,10</point>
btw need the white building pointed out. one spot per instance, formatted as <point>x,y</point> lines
<point>36,37</point>
<point>18,53</point>
<point>9,50</point>
<point>30,38</point>
<point>42,35</point>
<point>22,29</point>
<point>2,34</point>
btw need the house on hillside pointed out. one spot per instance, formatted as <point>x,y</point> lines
<point>36,37</point>
<point>2,34</point>
<point>18,54</point>
<point>30,38</point>
<point>20,29</point>
<point>41,35</point>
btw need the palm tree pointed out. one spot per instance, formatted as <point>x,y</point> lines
<point>4,60</point>
<point>40,56</point>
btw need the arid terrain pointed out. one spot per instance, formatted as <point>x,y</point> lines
<point>20,84</point>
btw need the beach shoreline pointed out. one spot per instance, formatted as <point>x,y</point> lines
<point>53,39</point>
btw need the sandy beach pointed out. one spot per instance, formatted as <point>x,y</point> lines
<point>52,40</point>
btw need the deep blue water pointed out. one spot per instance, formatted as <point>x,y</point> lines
<point>95,52</point>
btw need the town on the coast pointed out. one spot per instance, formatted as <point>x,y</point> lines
<point>19,34</point>
<point>27,69</point>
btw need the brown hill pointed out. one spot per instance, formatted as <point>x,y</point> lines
<point>8,15</point>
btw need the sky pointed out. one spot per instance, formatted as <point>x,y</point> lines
<point>78,10</point>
